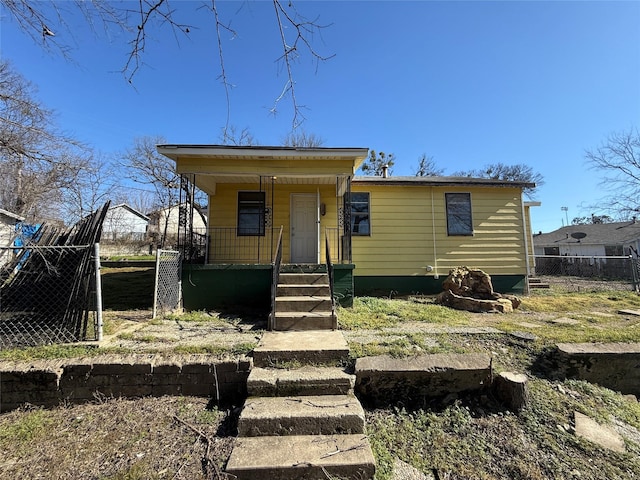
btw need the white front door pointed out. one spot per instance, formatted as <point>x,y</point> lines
<point>304,228</point>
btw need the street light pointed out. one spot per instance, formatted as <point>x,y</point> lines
<point>566,210</point>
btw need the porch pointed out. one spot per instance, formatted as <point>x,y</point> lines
<point>267,207</point>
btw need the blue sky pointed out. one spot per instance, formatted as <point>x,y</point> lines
<point>469,83</point>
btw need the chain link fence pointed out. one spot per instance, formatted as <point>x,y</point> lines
<point>168,284</point>
<point>587,274</point>
<point>48,295</point>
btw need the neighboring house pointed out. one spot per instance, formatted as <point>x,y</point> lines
<point>165,223</point>
<point>395,235</point>
<point>124,224</point>
<point>8,223</point>
<point>603,239</point>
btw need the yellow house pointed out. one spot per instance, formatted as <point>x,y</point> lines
<point>290,207</point>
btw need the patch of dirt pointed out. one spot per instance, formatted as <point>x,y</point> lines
<point>137,332</point>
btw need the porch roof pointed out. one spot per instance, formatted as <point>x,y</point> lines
<point>246,163</point>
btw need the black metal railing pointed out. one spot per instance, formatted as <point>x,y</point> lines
<point>226,246</point>
<point>333,242</point>
<point>275,278</point>
<point>330,272</point>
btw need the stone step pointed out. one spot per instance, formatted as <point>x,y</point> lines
<point>303,321</point>
<point>303,304</point>
<point>307,380</point>
<point>303,268</point>
<point>306,347</point>
<point>288,290</point>
<point>303,279</point>
<point>308,415</point>
<point>305,456</point>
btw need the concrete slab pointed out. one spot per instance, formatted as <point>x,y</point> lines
<point>311,346</point>
<point>313,457</point>
<point>383,380</point>
<point>600,348</point>
<point>307,380</point>
<point>565,321</point>
<point>309,415</point>
<point>635,313</point>
<point>601,435</point>
<point>404,471</point>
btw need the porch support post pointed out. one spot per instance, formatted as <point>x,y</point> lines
<point>347,223</point>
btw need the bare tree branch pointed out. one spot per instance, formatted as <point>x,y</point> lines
<point>302,28</point>
<point>618,159</point>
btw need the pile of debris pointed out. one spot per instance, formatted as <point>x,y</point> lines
<point>47,290</point>
<point>472,290</point>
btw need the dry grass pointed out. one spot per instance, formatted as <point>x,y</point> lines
<point>150,438</point>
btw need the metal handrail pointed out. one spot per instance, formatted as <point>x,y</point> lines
<point>330,272</point>
<point>275,277</point>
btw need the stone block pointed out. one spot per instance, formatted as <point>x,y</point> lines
<point>122,365</point>
<point>384,380</point>
<point>163,390</point>
<point>612,365</point>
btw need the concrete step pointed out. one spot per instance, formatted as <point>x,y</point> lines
<point>309,415</point>
<point>305,456</point>
<point>319,290</point>
<point>303,268</point>
<point>303,279</point>
<point>306,347</point>
<point>307,380</point>
<point>300,321</point>
<point>303,304</point>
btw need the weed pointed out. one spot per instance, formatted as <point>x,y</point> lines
<point>50,352</point>
<point>29,427</point>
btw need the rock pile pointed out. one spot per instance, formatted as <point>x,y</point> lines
<point>472,290</point>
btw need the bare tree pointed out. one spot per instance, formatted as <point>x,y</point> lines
<point>92,187</point>
<point>300,138</point>
<point>48,24</point>
<point>618,159</point>
<point>144,165</point>
<point>37,161</point>
<point>427,167</point>
<point>230,135</point>
<point>377,162</point>
<point>512,173</point>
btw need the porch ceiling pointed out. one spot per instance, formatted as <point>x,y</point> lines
<point>208,182</point>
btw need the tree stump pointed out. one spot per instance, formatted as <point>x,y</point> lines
<point>511,389</point>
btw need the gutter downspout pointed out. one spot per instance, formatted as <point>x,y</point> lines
<point>525,229</point>
<point>433,231</point>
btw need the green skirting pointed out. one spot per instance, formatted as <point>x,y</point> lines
<point>425,285</point>
<point>210,287</point>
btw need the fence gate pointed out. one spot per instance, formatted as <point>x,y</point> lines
<point>168,287</point>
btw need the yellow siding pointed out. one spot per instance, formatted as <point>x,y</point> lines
<point>224,213</point>
<point>404,219</point>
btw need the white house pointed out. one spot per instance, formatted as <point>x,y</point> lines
<point>124,224</point>
<point>8,223</point>
<point>164,224</point>
<point>603,239</point>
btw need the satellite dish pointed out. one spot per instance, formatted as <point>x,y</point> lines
<point>578,235</point>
